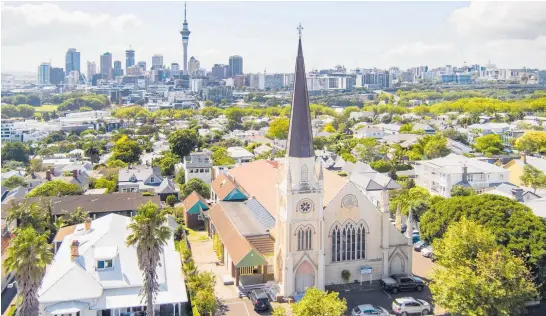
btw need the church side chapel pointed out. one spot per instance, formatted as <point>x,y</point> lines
<point>293,222</point>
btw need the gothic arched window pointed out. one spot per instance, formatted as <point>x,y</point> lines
<point>304,174</point>
<point>305,240</point>
<point>348,242</point>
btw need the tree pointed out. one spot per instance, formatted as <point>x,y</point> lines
<point>220,156</point>
<point>206,302</point>
<point>13,182</point>
<point>381,166</point>
<point>55,188</point>
<point>531,142</point>
<point>27,257</point>
<point>409,198</point>
<point>128,151</point>
<point>278,128</point>
<point>459,190</point>
<point>149,235</point>
<point>182,142</point>
<point>180,177</point>
<point>116,163</point>
<point>209,103</point>
<point>436,146</point>
<point>197,185</point>
<point>171,200</point>
<point>166,164</point>
<point>366,149</point>
<point>35,165</point>
<point>77,217</point>
<point>489,144</point>
<point>15,151</point>
<point>93,152</point>
<point>533,177</point>
<point>329,128</point>
<point>348,157</point>
<point>318,303</point>
<point>406,128</point>
<point>478,277</point>
<point>29,215</point>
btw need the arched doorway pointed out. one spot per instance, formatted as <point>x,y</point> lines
<point>305,276</point>
<point>397,265</point>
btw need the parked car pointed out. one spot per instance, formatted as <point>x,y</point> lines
<point>401,282</point>
<point>259,300</point>
<point>415,236</point>
<point>427,252</point>
<point>369,309</point>
<point>408,305</point>
<point>420,245</point>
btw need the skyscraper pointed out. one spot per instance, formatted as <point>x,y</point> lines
<point>142,65</point>
<point>235,66</point>
<point>56,76</point>
<point>185,38</point>
<point>72,60</point>
<point>175,68</point>
<point>220,71</point>
<point>106,65</point>
<point>193,65</point>
<point>129,58</point>
<point>118,71</point>
<point>91,70</point>
<point>157,61</point>
<point>44,73</point>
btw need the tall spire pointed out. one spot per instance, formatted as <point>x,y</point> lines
<point>185,20</point>
<point>300,139</point>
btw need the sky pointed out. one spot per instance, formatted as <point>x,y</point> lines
<point>352,34</point>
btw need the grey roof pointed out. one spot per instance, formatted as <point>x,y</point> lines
<point>243,218</point>
<point>259,212</point>
<point>374,181</point>
<point>166,186</point>
<point>300,139</point>
<point>538,206</point>
<point>141,173</point>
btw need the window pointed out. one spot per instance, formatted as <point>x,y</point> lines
<point>152,179</point>
<point>348,242</point>
<point>304,174</point>
<point>191,170</point>
<point>305,238</point>
<point>201,170</point>
<point>104,264</point>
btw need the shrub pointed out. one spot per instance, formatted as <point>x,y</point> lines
<point>345,275</point>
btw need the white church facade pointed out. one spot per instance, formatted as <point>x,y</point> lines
<point>295,223</point>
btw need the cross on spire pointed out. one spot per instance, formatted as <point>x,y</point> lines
<point>299,28</point>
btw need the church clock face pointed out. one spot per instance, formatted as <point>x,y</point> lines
<point>305,206</point>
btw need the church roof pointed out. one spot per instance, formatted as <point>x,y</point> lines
<point>300,139</point>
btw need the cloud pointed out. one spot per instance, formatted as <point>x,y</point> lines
<point>42,22</point>
<point>501,20</point>
<point>417,49</point>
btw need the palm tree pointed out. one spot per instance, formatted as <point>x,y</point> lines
<point>27,256</point>
<point>149,235</point>
<point>29,215</point>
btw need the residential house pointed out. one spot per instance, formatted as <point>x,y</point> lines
<point>368,132</point>
<point>390,129</point>
<point>240,154</point>
<point>516,167</point>
<point>262,149</point>
<point>440,175</point>
<point>146,179</point>
<point>94,272</point>
<point>513,192</point>
<point>425,128</point>
<point>194,207</point>
<point>198,165</point>
<point>538,206</point>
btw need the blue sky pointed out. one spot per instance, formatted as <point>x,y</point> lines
<point>353,34</point>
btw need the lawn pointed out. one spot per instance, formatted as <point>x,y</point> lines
<point>46,108</point>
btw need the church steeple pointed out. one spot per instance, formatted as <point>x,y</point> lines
<point>300,138</point>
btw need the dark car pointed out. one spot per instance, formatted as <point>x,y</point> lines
<point>399,282</point>
<point>259,300</point>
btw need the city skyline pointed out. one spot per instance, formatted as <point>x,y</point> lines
<point>397,34</point>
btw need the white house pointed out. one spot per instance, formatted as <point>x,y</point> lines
<point>239,154</point>
<point>440,175</point>
<point>94,273</point>
<point>368,132</point>
<point>198,165</point>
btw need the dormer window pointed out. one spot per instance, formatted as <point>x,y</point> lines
<point>104,264</point>
<point>132,179</point>
<point>152,179</point>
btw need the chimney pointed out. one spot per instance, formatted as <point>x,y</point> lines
<point>74,250</point>
<point>518,194</point>
<point>48,175</point>
<point>87,224</point>
<point>523,157</point>
<point>465,174</point>
<point>75,173</point>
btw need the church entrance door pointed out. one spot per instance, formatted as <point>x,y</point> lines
<point>397,265</point>
<point>305,276</point>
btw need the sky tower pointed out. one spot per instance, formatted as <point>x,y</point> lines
<point>185,38</point>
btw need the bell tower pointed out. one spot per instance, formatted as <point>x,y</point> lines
<point>299,243</point>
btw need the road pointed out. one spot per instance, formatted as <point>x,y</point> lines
<point>7,297</point>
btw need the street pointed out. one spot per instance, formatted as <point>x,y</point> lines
<point>7,296</point>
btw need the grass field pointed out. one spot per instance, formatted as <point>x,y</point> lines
<point>46,108</point>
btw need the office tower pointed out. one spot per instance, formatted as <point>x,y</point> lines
<point>220,71</point>
<point>106,65</point>
<point>91,70</point>
<point>157,61</point>
<point>142,65</point>
<point>56,76</point>
<point>235,66</point>
<point>129,58</point>
<point>44,73</point>
<point>118,71</point>
<point>72,60</point>
<point>175,68</point>
<point>185,38</point>
<point>193,65</point>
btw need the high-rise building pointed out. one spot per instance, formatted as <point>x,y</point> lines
<point>175,68</point>
<point>56,76</point>
<point>193,65</point>
<point>106,65</point>
<point>157,61</point>
<point>185,38</point>
<point>235,66</point>
<point>91,70</point>
<point>129,58</point>
<point>72,60</point>
<point>118,71</point>
<point>44,73</point>
<point>142,65</point>
<point>220,71</point>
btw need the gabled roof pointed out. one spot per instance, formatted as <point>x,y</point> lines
<point>222,186</point>
<point>192,199</point>
<point>166,186</point>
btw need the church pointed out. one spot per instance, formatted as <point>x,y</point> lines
<point>293,222</point>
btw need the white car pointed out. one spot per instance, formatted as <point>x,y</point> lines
<point>369,309</point>
<point>427,252</point>
<point>405,306</point>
